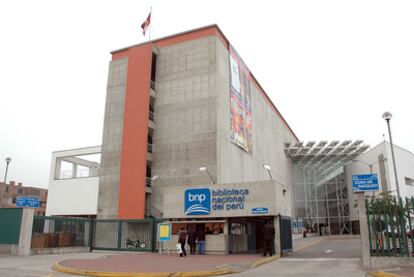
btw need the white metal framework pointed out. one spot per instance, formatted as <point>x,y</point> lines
<point>321,194</point>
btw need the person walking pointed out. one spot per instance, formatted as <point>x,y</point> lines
<point>269,236</point>
<point>182,238</point>
<point>201,238</point>
<point>192,237</point>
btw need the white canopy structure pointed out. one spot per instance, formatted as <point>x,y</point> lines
<point>320,186</point>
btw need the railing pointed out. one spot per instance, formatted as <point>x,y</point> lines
<point>125,235</point>
<point>50,232</point>
<point>151,115</point>
<point>148,182</point>
<point>80,173</point>
<point>149,147</point>
<point>390,226</point>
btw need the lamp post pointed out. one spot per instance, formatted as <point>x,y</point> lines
<point>156,177</point>
<point>267,167</point>
<point>8,160</point>
<point>387,116</point>
<point>203,168</point>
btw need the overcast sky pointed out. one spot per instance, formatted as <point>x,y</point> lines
<point>331,67</point>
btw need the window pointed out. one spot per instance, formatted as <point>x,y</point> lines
<point>19,191</point>
<point>14,200</point>
<point>409,182</point>
<point>153,69</point>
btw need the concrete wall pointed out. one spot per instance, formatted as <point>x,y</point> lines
<point>192,115</point>
<point>185,115</point>
<point>112,140</point>
<point>269,136</point>
<point>405,168</point>
<point>77,196</point>
<point>266,194</point>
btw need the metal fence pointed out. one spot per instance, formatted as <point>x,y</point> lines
<point>124,235</point>
<point>390,226</point>
<point>50,232</point>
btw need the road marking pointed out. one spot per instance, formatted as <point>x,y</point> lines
<point>318,259</point>
<point>328,251</point>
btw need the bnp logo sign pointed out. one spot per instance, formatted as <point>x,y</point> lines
<point>197,201</point>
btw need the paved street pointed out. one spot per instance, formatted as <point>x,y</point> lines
<point>330,257</point>
<point>38,265</point>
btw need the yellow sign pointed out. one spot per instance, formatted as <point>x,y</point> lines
<point>164,231</point>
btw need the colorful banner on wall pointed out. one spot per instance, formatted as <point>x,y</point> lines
<point>240,103</point>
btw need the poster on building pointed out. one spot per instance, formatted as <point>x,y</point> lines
<point>240,103</point>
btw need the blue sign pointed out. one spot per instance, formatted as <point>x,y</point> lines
<point>28,201</point>
<point>197,201</point>
<point>365,182</point>
<point>260,211</point>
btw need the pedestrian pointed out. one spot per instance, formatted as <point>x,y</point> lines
<point>192,237</point>
<point>182,238</point>
<point>269,237</point>
<point>201,238</point>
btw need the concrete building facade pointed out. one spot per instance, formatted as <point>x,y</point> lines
<point>186,121</point>
<point>168,113</point>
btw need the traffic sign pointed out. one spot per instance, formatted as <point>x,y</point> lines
<point>365,182</point>
<point>28,201</point>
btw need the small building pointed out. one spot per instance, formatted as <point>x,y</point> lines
<point>12,190</point>
<point>73,182</point>
<point>378,160</point>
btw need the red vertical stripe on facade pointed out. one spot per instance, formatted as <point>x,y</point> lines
<point>135,131</point>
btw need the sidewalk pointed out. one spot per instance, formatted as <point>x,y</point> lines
<point>152,264</point>
<point>406,271</point>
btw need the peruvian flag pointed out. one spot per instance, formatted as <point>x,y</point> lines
<point>146,24</point>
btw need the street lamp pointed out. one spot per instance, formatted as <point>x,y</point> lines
<point>8,160</point>
<point>155,177</point>
<point>267,167</point>
<point>387,116</point>
<point>203,168</point>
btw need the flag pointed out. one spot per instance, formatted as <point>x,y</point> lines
<point>146,24</point>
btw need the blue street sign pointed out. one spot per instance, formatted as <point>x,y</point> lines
<point>28,201</point>
<point>260,211</point>
<point>365,182</point>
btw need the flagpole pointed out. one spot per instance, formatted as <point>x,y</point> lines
<point>149,33</point>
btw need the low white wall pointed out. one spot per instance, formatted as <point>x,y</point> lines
<point>59,250</point>
<point>215,244</point>
<point>73,196</point>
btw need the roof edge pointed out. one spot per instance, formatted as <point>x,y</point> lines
<point>227,40</point>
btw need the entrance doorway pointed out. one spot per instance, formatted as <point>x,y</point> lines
<point>246,234</point>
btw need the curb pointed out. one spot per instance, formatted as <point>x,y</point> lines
<point>81,272</point>
<point>383,274</point>
<point>264,261</point>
